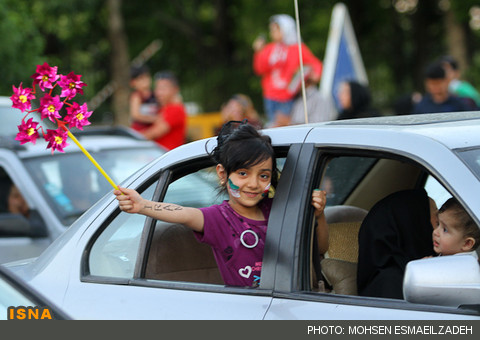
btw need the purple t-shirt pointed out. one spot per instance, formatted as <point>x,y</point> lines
<point>237,242</point>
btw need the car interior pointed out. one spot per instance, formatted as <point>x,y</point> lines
<point>383,176</point>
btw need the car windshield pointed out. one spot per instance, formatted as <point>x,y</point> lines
<point>71,184</point>
<point>472,158</point>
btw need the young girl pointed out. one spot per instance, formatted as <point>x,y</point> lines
<point>278,65</point>
<point>236,229</point>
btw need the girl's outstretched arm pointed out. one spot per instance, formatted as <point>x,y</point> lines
<point>130,201</point>
<point>319,200</point>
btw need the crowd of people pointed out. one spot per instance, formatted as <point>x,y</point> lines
<point>159,114</point>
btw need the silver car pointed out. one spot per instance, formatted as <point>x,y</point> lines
<point>113,265</point>
<point>58,188</point>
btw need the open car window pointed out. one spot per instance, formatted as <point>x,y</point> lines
<point>169,251</point>
<point>360,182</point>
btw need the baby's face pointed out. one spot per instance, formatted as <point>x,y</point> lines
<point>447,240</point>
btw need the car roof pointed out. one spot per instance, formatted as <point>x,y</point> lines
<point>91,138</point>
<point>453,129</point>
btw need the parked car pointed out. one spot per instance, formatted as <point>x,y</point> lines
<point>15,293</point>
<point>58,188</point>
<point>114,265</point>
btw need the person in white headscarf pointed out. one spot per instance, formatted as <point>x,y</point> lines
<point>278,65</point>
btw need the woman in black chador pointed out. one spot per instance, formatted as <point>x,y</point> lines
<point>398,229</point>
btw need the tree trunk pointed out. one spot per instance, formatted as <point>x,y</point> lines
<point>456,40</point>
<point>120,65</point>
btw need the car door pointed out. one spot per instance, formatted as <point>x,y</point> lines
<point>140,268</point>
<point>360,177</point>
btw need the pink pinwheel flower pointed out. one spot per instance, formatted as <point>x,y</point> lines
<point>77,116</point>
<point>49,107</point>
<point>27,132</point>
<point>45,76</point>
<point>22,98</point>
<point>70,85</point>
<point>57,139</point>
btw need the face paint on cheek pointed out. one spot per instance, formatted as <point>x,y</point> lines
<point>265,192</point>
<point>234,190</point>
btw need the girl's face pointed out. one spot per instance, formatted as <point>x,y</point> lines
<point>275,32</point>
<point>448,240</point>
<point>247,186</point>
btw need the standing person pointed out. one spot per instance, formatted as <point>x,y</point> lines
<point>437,98</point>
<point>143,105</point>
<point>319,109</point>
<point>456,232</point>
<point>458,87</point>
<point>355,100</point>
<point>236,229</point>
<point>238,108</point>
<point>169,129</point>
<point>278,64</point>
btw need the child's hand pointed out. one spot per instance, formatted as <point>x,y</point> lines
<point>129,200</point>
<point>319,200</point>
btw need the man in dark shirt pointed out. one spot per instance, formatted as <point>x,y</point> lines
<point>437,97</point>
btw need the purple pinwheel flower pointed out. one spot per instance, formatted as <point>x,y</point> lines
<point>22,98</point>
<point>49,107</point>
<point>27,132</point>
<point>45,76</point>
<point>77,116</point>
<point>57,139</point>
<point>70,85</point>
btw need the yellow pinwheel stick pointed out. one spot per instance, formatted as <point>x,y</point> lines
<point>90,158</point>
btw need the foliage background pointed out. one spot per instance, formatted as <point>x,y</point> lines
<point>207,43</point>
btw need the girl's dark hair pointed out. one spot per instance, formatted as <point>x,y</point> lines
<point>240,145</point>
<point>464,222</point>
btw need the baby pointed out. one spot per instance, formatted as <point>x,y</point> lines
<point>456,232</point>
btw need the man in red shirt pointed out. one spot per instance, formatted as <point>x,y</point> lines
<point>169,130</point>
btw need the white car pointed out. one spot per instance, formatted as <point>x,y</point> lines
<point>113,265</point>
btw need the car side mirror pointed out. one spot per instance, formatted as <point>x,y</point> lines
<point>16,225</point>
<point>445,280</point>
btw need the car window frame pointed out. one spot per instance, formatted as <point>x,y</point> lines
<point>300,273</point>
<point>163,178</point>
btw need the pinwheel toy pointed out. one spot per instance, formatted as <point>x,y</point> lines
<point>51,106</point>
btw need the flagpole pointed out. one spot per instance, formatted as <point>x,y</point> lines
<point>301,61</point>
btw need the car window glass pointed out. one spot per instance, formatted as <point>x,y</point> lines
<point>436,191</point>
<point>115,251</point>
<point>9,296</point>
<point>472,159</point>
<point>342,174</point>
<point>17,218</point>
